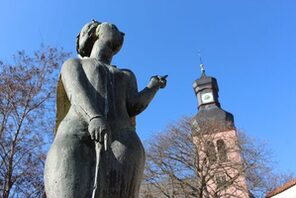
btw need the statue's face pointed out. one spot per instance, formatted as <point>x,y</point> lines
<point>110,35</point>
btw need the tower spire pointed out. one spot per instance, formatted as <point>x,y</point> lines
<point>201,65</point>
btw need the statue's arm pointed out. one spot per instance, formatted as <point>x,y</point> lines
<point>78,90</point>
<point>137,102</point>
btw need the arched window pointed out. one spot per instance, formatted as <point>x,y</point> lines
<point>222,152</point>
<point>211,152</point>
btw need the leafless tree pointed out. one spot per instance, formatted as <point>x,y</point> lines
<point>177,167</point>
<point>260,172</point>
<point>26,119</point>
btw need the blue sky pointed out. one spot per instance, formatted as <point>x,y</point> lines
<point>249,46</point>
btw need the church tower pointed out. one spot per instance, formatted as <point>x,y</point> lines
<point>219,161</point>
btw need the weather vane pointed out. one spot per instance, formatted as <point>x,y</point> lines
<point>202,66</point>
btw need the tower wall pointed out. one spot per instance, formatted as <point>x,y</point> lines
<point>222,171</point>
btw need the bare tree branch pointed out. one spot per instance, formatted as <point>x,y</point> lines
<point>26,111</point>
<point>180,165</point>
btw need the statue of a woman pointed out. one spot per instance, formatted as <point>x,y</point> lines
<point>96,151</point>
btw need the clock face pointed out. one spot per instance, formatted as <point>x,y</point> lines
<point>207,97</point>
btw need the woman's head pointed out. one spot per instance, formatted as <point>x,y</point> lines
<point>107,33</point>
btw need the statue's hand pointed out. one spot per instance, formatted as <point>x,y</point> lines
<point>98,129</point>
<point>158,81</point>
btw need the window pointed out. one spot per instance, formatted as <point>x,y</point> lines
<point>221,180</point>
<point>222,152</point>
<point>211,152</point>
<point>148,196</point>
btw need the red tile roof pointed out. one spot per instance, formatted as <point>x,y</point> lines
<point>282,188</point>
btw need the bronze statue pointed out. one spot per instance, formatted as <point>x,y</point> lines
<point>96,151</point>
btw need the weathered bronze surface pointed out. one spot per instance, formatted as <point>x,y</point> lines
<point>96,151</point>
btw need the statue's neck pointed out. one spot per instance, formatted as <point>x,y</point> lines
<point>102,52</point>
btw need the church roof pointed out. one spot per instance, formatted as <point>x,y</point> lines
<point>214,119</point>
<point>282,188</point>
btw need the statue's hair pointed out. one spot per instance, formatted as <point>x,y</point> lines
<point>86,38</point>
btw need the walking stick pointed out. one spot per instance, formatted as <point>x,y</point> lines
<point>99,151</point>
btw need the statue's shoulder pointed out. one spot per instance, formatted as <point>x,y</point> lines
<point>128,73</point>
<point>72,61</point>
<point>70,64</point>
